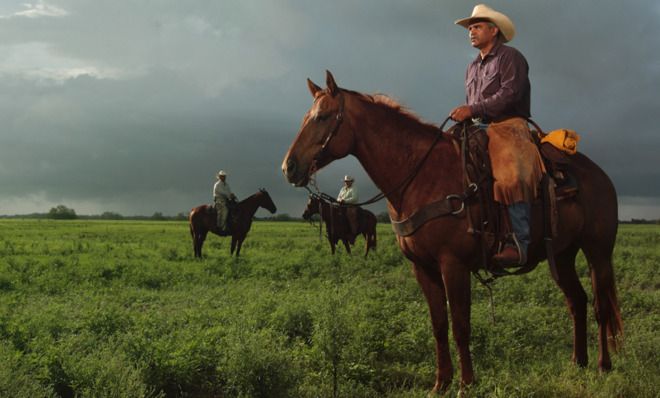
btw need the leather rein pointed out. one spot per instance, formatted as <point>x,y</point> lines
<point>400,186</point>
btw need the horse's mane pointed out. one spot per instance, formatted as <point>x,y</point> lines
<point>390,105</point>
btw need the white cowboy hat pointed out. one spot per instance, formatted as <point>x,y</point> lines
<point>482,11</point>
<point>221,173</point>
<point>348,178</point>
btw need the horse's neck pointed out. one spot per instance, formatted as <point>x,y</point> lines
<point>328,212</point>
<point>250,205</point>
<point>390,145</point>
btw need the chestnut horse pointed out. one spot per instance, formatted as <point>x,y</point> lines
<point>337,227</point>
<point>204,219</point>
<point>393,146</point>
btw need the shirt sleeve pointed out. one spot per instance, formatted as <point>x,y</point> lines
<point>354,195</point>
<point>221,189</point>
<point>341,194</point>
<point>349,195</point>
<point>513,73</point>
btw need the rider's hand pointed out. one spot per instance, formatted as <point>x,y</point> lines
<point>461,113</point>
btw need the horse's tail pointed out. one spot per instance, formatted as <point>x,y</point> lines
<point>190,222</point>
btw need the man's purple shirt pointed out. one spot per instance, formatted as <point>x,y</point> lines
<point>497,87</point>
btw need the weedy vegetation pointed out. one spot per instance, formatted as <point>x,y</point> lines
<point>121,309</point>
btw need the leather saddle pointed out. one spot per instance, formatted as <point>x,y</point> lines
<point>232,216</point>
<point>491,222</point>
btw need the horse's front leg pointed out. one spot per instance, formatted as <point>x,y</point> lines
<point>238,246</point>
<point>332,245</point>
<point>456,277</point>
<point>347,246</point>
<point>233,245</point>
<point>430,281</point>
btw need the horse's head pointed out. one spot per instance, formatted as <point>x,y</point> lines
<point>312,208</point>
<point>266,202</point>
<point>323,136</point>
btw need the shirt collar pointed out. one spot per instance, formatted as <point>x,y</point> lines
<point>492,53</point>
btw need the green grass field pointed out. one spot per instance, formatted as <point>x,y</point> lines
<point>121,309</point>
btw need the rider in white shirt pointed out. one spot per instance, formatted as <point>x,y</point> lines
<point>349,195</point>
<point>221,196</point>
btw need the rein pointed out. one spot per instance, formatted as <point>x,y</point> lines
<point>380,196</point>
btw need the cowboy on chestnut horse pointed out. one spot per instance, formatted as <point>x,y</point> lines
<point>222,197</point>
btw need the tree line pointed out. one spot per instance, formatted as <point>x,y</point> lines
<point>62,212</point>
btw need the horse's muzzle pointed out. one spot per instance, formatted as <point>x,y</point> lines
<point>291,172</point>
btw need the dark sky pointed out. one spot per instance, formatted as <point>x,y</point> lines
<point>133,106</point>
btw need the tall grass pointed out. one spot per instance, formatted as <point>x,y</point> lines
<point>121,309</point>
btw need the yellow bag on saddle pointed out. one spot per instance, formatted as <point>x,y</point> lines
<point>563,139</point>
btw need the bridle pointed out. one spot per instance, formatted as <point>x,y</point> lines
<point>339,118</point>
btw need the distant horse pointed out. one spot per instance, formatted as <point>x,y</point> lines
<point>392,145</point>
<point>204,219</point>
<point>337,227</point>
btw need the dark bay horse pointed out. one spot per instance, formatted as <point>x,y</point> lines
<point>390,143</point>
<point>203,219</point>
<point>337,227</point>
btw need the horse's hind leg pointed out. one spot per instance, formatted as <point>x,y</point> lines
<point>431,283</point>
<point>199,242</point>
<point>576,301</point>
<point>193,235</point>
<point>605,300</point>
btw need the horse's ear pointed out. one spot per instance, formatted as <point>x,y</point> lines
<point>313,88</point>
<point>330,82</point>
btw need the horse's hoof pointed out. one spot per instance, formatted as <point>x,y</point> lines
<point>439,390</point>
<point>605,367</point>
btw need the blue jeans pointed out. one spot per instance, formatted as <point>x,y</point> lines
<point>520,214</point>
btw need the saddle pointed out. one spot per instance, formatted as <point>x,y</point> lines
<point>492,221</point>
<point>342,217</point>
<point>233,212</point>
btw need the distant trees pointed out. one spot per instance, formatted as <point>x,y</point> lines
<point>111,215</point>
<point>383,217</point>
<point>158,216</point>
<point>281,217</point>
<point>61,212</point>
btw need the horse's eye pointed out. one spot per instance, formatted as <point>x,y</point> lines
<point>321,118</point>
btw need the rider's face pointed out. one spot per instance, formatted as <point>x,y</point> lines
<point>482,34</point>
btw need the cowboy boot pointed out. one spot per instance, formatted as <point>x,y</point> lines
<point>512,254</point>
<point>515,252</point>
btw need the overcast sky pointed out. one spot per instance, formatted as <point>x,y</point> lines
<point>132,106</point>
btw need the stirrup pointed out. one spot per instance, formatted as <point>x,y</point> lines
<point>521,255</point>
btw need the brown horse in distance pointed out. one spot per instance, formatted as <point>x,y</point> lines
<point>390,142</point>
<point>203,219</point>
<point>337,227</point>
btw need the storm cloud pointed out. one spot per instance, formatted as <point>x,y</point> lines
<point>132,106</point>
